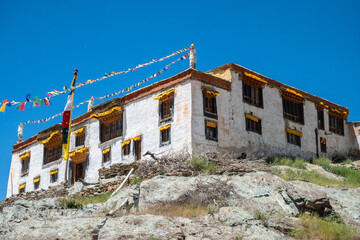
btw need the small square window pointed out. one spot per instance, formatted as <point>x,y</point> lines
<point>126,149</point>
<point>54,176</point>
<point>80,139</point>
<point>165,135</point>
<point>253,124</point>
<point>22,188</point>
<point>211,130</point>
<point>36,183</point>
<point>106,155</point>
<point>293,139</point>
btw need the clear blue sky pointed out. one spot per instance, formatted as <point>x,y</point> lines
<point>311,45</point>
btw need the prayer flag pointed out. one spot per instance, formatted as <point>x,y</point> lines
<point>66,123</point>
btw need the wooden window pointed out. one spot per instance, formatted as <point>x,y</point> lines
<point>25,166</point>
<point>36,183</point>
<point>137,149</point>
<point>293,111</point>
<point>106,155</point>
<point>321,123</point>
<point>323,145</point>
<point>111,129</point>
<point>209,102</point>
<point>166,107</point>
<point>336,124</point>
<point>211,130</point>
<point>253,124</point>
<point>293,139</point>
<point>252,95</point>
<point>52,153</point>
<point>54,176</point>
<point>165,135</point>
<point>126,149</point>
<point>80,139</point>
<point>22,188</point>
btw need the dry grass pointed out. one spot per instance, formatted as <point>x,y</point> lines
<point>176,210</point>
<point>80,201</point>
<point>316,228</point>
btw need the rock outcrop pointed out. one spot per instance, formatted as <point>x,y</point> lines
<point>238,202</point>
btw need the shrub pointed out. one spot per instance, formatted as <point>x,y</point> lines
<point>259,216</point>
<point>352,177</point>
<point>80,201</point>
<point>324,162</point>
<point>298,163</point>
<point>103,197</point>
<point>348,161</point>
<point>70,203</point>
<point>203,165</point>
<point>316,228</point>
<point>136,180</point>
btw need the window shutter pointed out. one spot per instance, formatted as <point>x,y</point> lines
<point>261,97</point>
<point>204,101</point>
<point>172,106</point>
<point>214,104</point>
<point>161,110</point>
<point>206,131</point>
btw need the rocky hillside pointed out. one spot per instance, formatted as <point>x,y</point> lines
<point>200,199</point>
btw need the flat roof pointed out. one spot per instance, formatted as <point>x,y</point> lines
<point>274,83</point>
<point>155,87</point>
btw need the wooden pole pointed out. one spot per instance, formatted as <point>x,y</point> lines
<point>70,122</point>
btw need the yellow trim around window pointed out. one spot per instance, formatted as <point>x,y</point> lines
<point>252,118</point>
<point>21,186</point>
<point>165,127</point>
<point>78,151</point>
<point>96,116</point>
<point>49,138</point>
<point>125,143</point>
<point>78,131</point>
<point>36,179</point>
<point>212,93</point>
<point>54,172</point>
<point>138,138</point>
<point>255,77</point>
<point>210,124</point>
<point>164,94</point>
<point>106,151</point>
<point>296,133</point>
<point>26,155</point>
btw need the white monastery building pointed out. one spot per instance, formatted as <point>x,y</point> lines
<point>228,109</point>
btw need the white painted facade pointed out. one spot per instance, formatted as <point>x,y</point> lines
<point>141,118</point>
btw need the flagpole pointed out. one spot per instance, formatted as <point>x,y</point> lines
<point>72,103</point>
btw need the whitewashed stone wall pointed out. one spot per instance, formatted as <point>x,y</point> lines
<point>36,168</point>
<point>140,118</point>
<point>232,134</point>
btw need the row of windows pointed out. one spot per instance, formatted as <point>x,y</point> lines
<point>253,124</point>
<point>36,181</point>
<point>292,109</point>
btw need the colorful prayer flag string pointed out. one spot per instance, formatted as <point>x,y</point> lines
<point>37,102</point>
<point>128,89</point>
